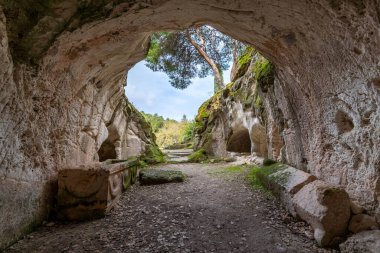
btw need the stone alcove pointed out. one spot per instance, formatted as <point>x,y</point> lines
<point>239,141</point>
<point>108,149</point>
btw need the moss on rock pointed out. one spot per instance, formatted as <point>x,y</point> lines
<point>198,156</point>
<point>264,73</point>
<point>153,155</point>
<point>153,176</point>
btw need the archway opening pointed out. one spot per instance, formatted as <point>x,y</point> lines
<point>239,141</point>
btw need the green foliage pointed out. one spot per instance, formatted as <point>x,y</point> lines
<point>188,132</point>
<point>156,121</point>
<point>258,175</point>
<point>169,132</point>
<point>246,56</point>
<point>198,156</point>
<point>174,54</point>
<point>174,133</point>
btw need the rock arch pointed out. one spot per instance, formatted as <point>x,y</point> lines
<point>326,54</point>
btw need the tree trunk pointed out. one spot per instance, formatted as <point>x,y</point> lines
<point>217,73</point>
<point>235,61</point>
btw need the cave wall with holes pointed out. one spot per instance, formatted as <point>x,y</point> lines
<point>62,74</point>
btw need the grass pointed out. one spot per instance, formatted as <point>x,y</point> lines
<point>258,175</point>
<point>232,170</point>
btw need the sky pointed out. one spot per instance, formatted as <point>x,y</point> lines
<point>152,93</point>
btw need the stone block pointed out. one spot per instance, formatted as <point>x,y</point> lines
<point>326,209</point>
<point>153,176</point>
<point>286,183</point>
<point>90,191</point>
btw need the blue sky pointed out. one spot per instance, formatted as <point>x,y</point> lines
<point>152,93</point>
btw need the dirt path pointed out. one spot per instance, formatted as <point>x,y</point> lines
<point>213,211</point>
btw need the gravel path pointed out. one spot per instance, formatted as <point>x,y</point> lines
<point>213,211</point>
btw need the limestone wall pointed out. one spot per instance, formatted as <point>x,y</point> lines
<point>62,71</point>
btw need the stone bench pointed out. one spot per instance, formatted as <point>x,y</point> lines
<point>90,191</point>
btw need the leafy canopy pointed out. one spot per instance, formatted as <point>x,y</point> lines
<point>174,54</point>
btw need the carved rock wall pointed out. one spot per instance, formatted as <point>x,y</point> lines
<point>55,108</point>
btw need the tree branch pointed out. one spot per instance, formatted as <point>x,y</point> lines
<point>211,62</point>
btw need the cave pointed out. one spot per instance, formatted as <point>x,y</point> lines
<point>239,141</point>
<point>63,72</point>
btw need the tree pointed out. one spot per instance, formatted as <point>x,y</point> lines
<point>184,118</point>
<point>197,51</point>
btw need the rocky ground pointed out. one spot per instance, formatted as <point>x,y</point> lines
<point>214,210</point>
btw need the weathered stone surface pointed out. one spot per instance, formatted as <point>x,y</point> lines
<point>362,222</point>
<point>326,209</point>
<point>88,192</point>
<point>356,208</point>
<point>153,176</point>
<point>363,242</point>
<point>287,182</point>
<point>230,121</point>
<point>324,103</point>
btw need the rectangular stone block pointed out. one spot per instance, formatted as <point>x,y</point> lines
<point>90,191</point>
<point>286,183</point>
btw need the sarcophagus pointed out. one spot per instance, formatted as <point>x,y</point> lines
<point>90,191</point>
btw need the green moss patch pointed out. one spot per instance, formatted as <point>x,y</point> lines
<point>153,176</point>
<point>198,156</point>
<point>153,155</point>
<point>258,175</point>
<point>264,73</point>
<point>234,169</point>
<point>244,61</point>
<point>230,171</point>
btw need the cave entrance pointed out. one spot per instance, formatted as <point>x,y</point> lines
<point>239,141</point>
<point>108,149</point>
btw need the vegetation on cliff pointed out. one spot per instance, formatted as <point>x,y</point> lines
<point>254,75</point>
<point>152,152</point>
